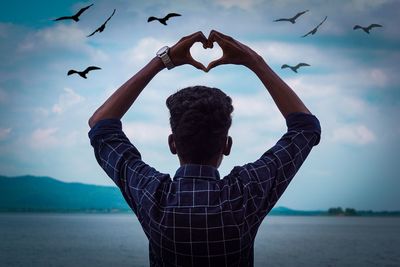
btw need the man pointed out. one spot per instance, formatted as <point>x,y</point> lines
<point>196,218</point>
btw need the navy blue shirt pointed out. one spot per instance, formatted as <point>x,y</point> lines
<point>196,218</point>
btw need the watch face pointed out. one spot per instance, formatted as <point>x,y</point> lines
<point>162,50</point>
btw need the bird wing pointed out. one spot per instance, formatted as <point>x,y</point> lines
<point>71,72</point>
<point>299,14</point>
<point>62,18</point>
<point>91,68</point>
<point>310,32</point>
<point>284,66</point>
<point>152,18</point>
<point>373,26</point>
<point>102,27</point>
<point>357,27</point>
<point>322,21</point>
<point>82,10</point>
<point>93,32</point>
<point>313,31</point>
<point>110,16</point>
<point>301,65</point>
<point>170,15</point>
<point>283,19</point>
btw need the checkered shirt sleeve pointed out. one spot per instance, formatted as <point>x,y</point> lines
<point>122,162</point>
<point>265,180</point>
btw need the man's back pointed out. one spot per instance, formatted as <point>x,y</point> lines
<point>196,218</point>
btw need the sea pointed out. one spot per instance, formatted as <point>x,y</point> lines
<point>30,239</point>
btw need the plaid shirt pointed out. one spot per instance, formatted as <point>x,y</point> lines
<point>196,218</point>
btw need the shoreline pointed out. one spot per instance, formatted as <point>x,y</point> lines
<point>295,214</point>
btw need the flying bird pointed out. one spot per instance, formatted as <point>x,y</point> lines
<point>103,26</point>
<point>164,20</point>
<point>293,19</point>
<point>76,16</point>
<point>313,31</point>
<point>367,29</point>
<point>83,73</point>
<point>294,68</point>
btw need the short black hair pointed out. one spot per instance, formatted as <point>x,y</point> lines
<point>200,120</point>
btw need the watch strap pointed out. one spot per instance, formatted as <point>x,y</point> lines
<point>167,61</point>
<point>163,55</point>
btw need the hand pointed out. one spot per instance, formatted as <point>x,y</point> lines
<point>234,52</point>
<point>180,52</point>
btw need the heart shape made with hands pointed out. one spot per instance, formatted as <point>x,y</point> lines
<point>205,55</point>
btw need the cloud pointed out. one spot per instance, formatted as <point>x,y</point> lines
<point>73,137</point>
<point>60,37</point>
<point>55,137</point>
<point>353,105</point>
<point>41,112</point>
<point>363,5</point>
<point>255,136</point>
<point>65,36</point>
<point>3,96</point>
<point>277,52</point>
<point>257,124</point>
<point>66,100</point>
<point>357,134</point>
<point>44,138</point>
<point>243,4</point>
<point>378,76</point>
<point>146,132</point>
<point>142,52</point>
<point>315,87</point>
<point>250,105</point>
<point>4,29</point>
<point>4,133</point>
<point>257,111</point>
<point>341,83</point>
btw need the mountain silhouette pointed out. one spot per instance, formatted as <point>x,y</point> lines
<point>30,193</point>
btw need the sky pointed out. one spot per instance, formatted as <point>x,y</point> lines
<point>352,86</point>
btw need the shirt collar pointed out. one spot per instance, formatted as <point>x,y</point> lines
<point>197,171</point>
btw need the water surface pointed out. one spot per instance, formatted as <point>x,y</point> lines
<point>118,240</point>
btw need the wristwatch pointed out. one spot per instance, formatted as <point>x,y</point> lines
<point>163,54</point>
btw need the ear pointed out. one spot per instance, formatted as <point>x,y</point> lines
<point>171,143</point>
<point>228,146</point>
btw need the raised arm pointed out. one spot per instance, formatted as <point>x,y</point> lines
<point>122,99</point>
<point>235,52</point>
<point>269,176</point>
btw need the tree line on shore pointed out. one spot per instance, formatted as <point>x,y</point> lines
<point>339,211</point>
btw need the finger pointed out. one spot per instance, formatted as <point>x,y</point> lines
<point>197,64</point>
<point>184,38</point>
<point>217,37</point>
<point>199,37</point>
<point>220,37</point>
<point>215,63</point>
<point>220,34</point>
<point>188,37</point>
<point>214,36</point>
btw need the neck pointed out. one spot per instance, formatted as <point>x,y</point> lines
<point>215,162</point>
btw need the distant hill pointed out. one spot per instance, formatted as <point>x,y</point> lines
<point>46,194</point>
<point>30,193</point>
<point>283,211</point>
